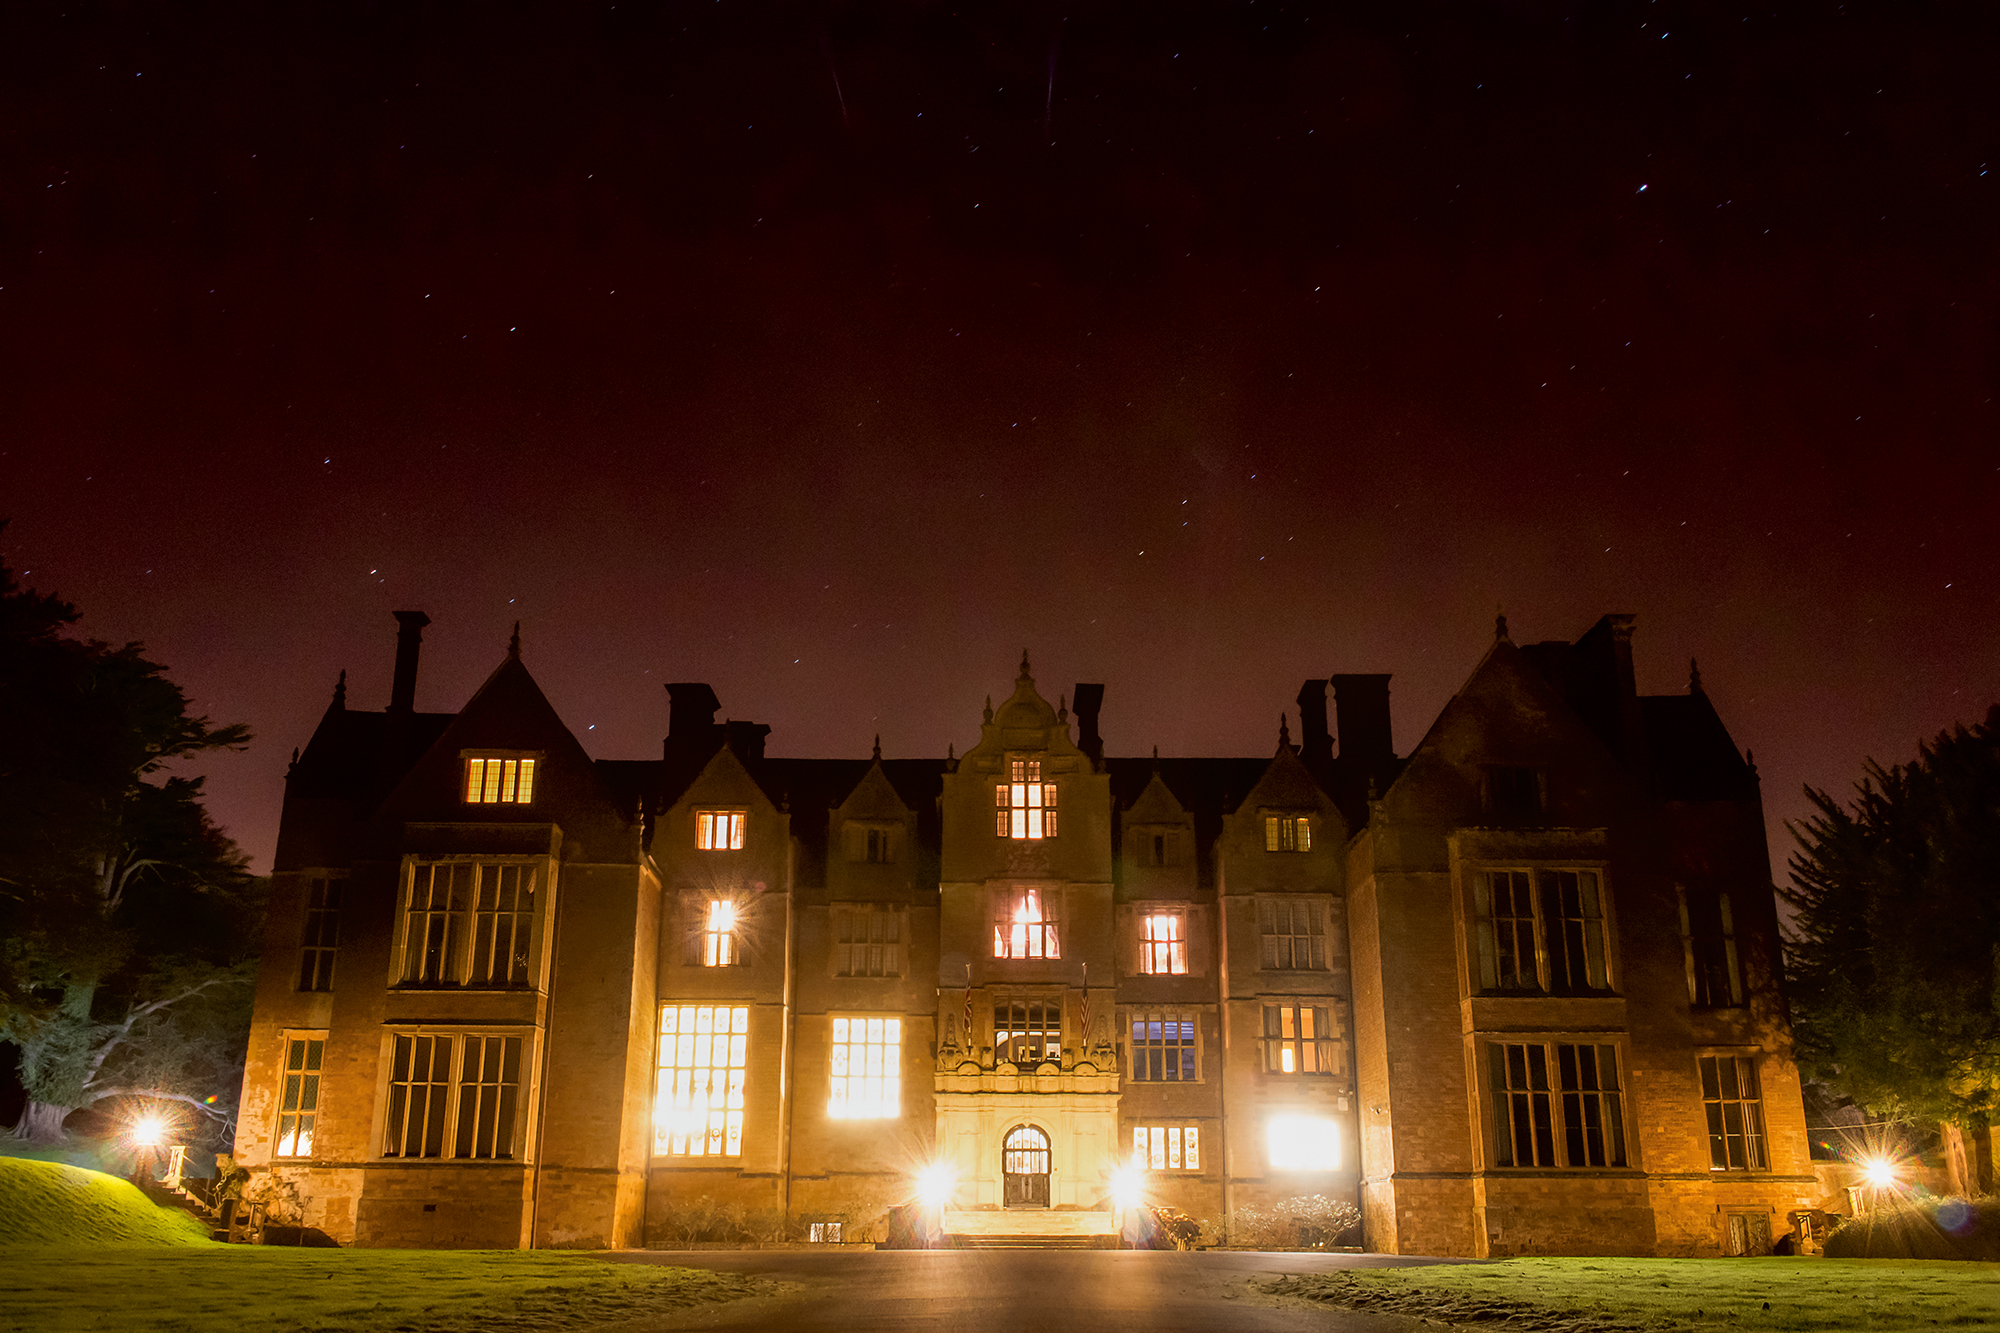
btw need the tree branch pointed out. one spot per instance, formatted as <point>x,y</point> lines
<point>92,1096</point>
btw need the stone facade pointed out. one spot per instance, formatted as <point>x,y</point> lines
<point>1516,992</point>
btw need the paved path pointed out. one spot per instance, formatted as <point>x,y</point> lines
<point>1021,1291</point>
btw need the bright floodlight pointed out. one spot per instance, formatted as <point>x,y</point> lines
<point>934,1184</point>
<point>148,1131</point>
<point>1128,1187</point>
<point>1303,1143</point>
<point>1879,1172</point>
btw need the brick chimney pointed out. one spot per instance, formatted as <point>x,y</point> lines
<point>409,643</point>
<point>1089,702</point>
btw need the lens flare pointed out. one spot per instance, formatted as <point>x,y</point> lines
<point>934,1185</point>
<point>148,1131</point>
<point>1128,1187</point>
<point>1879,1172</point>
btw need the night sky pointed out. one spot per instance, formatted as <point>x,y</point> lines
<point>832,353</point>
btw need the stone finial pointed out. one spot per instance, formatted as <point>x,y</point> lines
<point>1062,709</point>
<point>340,691</point>
<point>1024,664</point>
<point>1694,677</point>
<point>950,752</point>
<point>1284,734</point>
<point>878,745</point>
<point>987,716</point>
<point>1156,758</point>
<point>1500,625</point>
<point>514,641</point>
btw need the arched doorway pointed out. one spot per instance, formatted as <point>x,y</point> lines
<point>1025,1159</point>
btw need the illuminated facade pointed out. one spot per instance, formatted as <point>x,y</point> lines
<point>1514,992</point>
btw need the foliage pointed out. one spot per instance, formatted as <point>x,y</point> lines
<point>1172,1227</point>
<point>1895,970</point>
<point>1307,1222</point>
<point>1922,1229</point>
<point>126,917</point>
<point>704,1221</point>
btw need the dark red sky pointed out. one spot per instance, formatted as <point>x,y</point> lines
<point>831,353</point>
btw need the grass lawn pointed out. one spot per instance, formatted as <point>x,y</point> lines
<point>253,1289</point>
<point>1737,1294</point>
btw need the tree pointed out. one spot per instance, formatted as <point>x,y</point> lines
<point>1896,961</point>
<point>126,916</point>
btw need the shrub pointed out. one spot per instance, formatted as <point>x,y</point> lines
<point>1307,1222</point>
<point>1174,1229</point>
<point>1922,1229</point>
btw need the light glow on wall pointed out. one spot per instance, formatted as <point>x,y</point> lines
<point>1303,1143</point>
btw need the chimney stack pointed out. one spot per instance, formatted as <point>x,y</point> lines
<point>1361,711</point>
<point>409,643</point>
<point>1089,702</point>
<point>1315,742</point>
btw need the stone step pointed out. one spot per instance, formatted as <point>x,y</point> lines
<point>1020,1228</point>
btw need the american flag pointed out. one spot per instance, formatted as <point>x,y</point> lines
<point>968,1007</point>
<point>1085,1043</point>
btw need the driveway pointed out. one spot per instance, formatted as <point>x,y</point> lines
<point>1022,1291</point>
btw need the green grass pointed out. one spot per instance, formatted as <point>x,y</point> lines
<point>258,1289</point>
<point>48,1203</point>
<point>1738,1294</point>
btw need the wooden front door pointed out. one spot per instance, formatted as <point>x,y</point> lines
<point>1026,1163</point>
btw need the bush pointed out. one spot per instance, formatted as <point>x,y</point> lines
<point>1922,1229</point>
<point>1173,1229</point>
<point>1308,1222</point>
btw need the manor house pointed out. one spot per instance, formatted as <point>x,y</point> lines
<point>1514,992</point>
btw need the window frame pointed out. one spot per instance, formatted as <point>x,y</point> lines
<point>1715,1111</point>
<point>461,926</point>
<point>892,1075</point>
<point>848,920</point>
<point>1563,1111</point>
<point>1289,832</point>
<point>735,1091</point>
<point>735,828</point>
<point>518,1103</point>
<point>1039,936</point>
<point>1484,939</point>
<point>319,931</point>
<point>1188,1069</point>
<point>311,1088</point>
<point>517,769</point>
<point>1275,1045</point>
<point>1025,803</point>
<point>1167,1148</point>
<point>1702,972</point>
<point>1028,1003</point>
<point>1173,949</point>
<point>1318,912</point>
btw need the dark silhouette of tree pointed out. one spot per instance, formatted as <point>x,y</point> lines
<point>1896,964</point>
<point>127,919</point>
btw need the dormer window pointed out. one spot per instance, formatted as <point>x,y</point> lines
<point>718,830</point>
<point>1288,833</point>
<point>1024,805</point>
<point>499,780</point>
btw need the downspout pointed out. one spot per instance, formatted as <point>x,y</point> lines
<point>548,1041</point>
<point>785,1072</point>
<point>1222,1021</point>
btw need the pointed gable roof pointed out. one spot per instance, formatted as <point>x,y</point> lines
<point>1287,782</point>
<point>1157,804</point>
<point>874,796</point>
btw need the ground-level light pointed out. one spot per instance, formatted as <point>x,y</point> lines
<point>1303,1143</point>
<point>148,1131</point>
<point>1879,1172</point>
<point>934,1185</point>
<point>1128,1188</point>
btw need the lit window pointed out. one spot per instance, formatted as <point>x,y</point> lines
<point>825,1233</point>
<point>1708,941</point>
<point>1163,1049</point>
<point>868,941</point>
<point>322,934</point>
<point>718,830</point>
<point>1027,1032</point>
<point>499,781</point>
<point>1735,1105</point>
<point>437,1109</point>
<point>1287,833</point>
<point>1297,1040</point>
<point>1162,950</point>
<point>1027,927</point>
<point>1293,934</point>
<point>1172,1148</point>
<point>867,1069</point>
<point>698,1109</point>
<point>1025,806</point>
<point>469,923</point>
<point>298,1106</point>
<point>1540,930</point>
<point>718,935</point>
<point>1303,1143</point>
<point>1579,1122</point>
